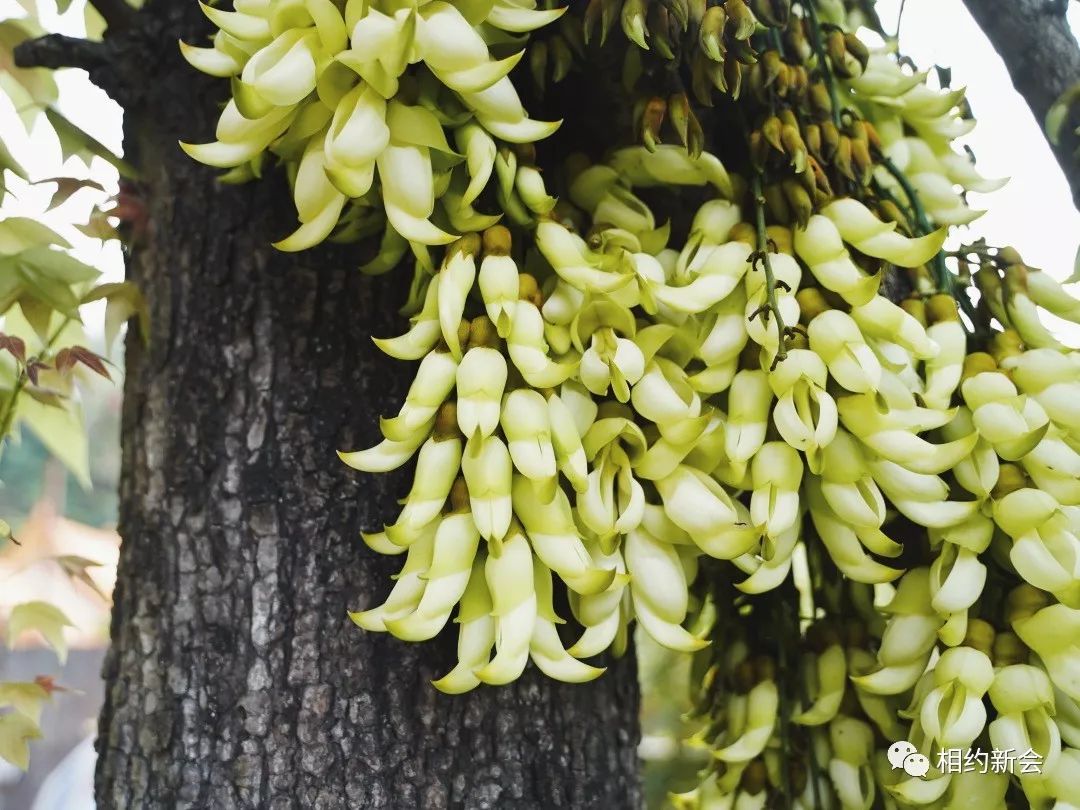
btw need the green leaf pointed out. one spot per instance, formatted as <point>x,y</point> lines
<point>38,84</point>
<point>124,302</point>
<point>95,23</point>
<point>63,433</point>
<point>98,227</point>
<point>66,331</point>
<point>1057,117</point>
<point>48,291</point>
<point>76,568</point>
<point>43,618</point>
<point>16,731</point>
<point>68,187</point>
<point>10,286</point>
<point>74,142</point>
<point>25,697</point>
<point>20,233</point>
<point>62,6</point>
<point>1075,277</point>
<point>8,161</point>
<point>58,266</point>
<point>5,527</point>
<point>38,314</point>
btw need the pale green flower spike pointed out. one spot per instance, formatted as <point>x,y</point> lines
<point>409,588</point>
<point>476,634</point>
<point>681,395</point>
<point>1011,424</point>
<point>511,582</point>
<point>862,230</point>
<point>488,473</point>
<point>456,541</point>
<point>836,338</point>
<point>437,466</point>
<point>805,413</point>
<point>658,590</point>
<point>821,246</point>
<point>762,703</point>
<point>434,381</point>
<point>828,676</point>
<point>556,541</point>
<point>321,87</point>
<point>909,638</point>
<point>776,473</point>
<point>481,380</point>
<point>952,713</point>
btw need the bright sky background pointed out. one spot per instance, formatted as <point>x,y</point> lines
<point>1034,212</point>
<point>39,153</point>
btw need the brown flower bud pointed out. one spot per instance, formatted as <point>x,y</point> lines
<point>1011,477</point>
<point>842,159</point>
<point>776,203</point>
<point>799,200</point>
<point>446,424</point>
<point>497,241</point>
<point>980,636</point>
<point>1008,650</point>
<point>1023,601</point>
<point>759,149</point>
<point>528,289</point>
<point>811,303</point>
<point>915,308</point>
<point>941,308</point>
<point>820,101</point>
<point>652,119</point>
<point>977,363</point>
<point>856,48</point>
<point>781,238</point>
<point>792,140</point>
<point>770,129</point>
<point>812,138</point>
<point>741,20</point>
<point>830,140</point>
<point>755,778</point>
<point>459,494</point>
<point>774,13</point>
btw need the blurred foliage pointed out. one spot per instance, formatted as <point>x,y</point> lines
<point>24,463</point>
<point>665,701</point>
<point>51,409</point>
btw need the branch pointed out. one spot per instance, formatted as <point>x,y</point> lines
<point>116,13</point>
<point>58,51</point>
<point>1043,59</point>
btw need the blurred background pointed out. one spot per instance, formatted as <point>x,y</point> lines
<point>59,515</point>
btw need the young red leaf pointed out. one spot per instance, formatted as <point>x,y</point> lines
<point>67,359</point>
<point>33,368</point>
<point>15,346</point>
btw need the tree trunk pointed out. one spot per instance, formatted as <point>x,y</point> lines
<point>1034,40</point>
<point>235,679</point>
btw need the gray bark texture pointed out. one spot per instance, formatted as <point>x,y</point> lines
<point>1043,58</point>
<point>235,679</point>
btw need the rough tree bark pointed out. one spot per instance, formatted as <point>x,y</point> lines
<point>235,679</point>
<point>1043,58</point>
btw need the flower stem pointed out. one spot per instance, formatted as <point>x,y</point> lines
<point>8,419</point>
<point>772,306</point>
<point>823,62</point>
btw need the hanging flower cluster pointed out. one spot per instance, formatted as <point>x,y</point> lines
<point>330,88</point>
<point>786,436</point>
